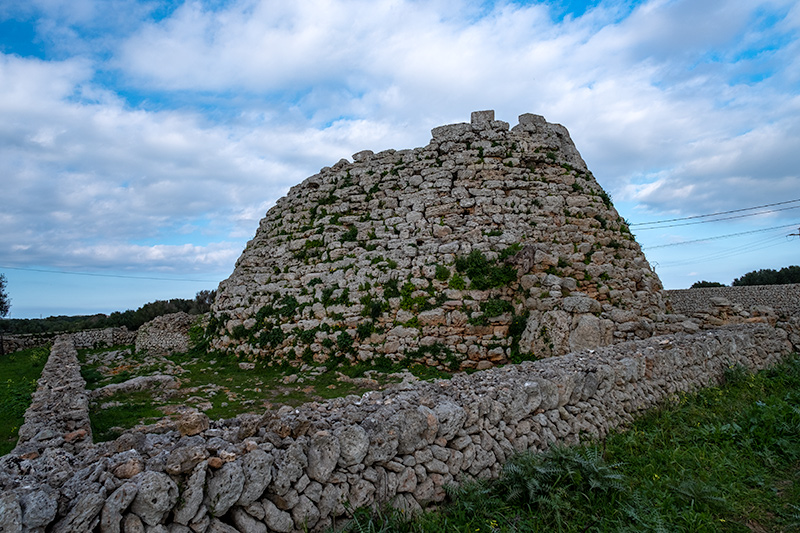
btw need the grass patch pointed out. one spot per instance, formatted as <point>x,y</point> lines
<point>19,372</point>
<point>724,459</point>
<point>116,373</point>
<point>136,408</point>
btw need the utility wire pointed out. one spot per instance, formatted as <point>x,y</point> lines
<point>98,275</point>
<point>716,219</point>
<point>713,214</point>
<point>721,236</point>
<point>740,250</point>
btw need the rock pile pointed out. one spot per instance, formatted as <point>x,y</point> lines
<point>486,244</point>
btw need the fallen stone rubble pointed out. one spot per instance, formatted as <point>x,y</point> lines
<point>297,468</point>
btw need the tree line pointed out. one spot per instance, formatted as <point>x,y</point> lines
<point>130,318</point>
<point>765,276</point>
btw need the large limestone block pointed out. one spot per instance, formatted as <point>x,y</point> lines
<point>353,444</point>
<point>224,488</point>
<point>590,332</point>
<point>156,496</point>
<point>323,454</point>
<point>257,467</point>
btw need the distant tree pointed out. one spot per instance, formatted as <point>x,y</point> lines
<point>768,276</point>
<point>204,300</point>
<point>5,302</point>
<point>5,305</point>
<point>706,284</point>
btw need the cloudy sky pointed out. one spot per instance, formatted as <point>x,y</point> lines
<point>141,141</point>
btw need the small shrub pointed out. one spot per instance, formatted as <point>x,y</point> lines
<point>457,282</point>
<point>390,289</point>
<point>492,308</point>
<point>350,235</point>
<point>442,273</point>
<point>485,274</point>
<point>344,342</point>
<point>365,329</point>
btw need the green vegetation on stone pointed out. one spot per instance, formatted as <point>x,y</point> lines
<point>485,274</point>
<point>442,273</point>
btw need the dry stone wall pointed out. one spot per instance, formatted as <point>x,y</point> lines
<point>58,416</point>
<point>90,338</point>
<point>784,299</point>
<point>166,334</point>
<point>15,343</point>
<point>487,243</point>
<point>295,468</point>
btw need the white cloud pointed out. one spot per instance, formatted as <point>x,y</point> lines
<point>79,172</point>
<point>679,106</point>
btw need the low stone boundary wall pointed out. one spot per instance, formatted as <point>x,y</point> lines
<point>58,416</point>
<point>784,299</point>
<point>90,338</point>
<point>296,468</point>
<point>95,338</point>
<point>15,343</point>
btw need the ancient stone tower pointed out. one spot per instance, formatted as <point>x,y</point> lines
<point>486,245</point>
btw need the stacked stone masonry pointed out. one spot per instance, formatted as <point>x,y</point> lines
<point>166,334</point>
<point>90,338</point>
<point>487,241</point>
<point>58,416</point>
<point>783,299</point>
<point>296,468</point>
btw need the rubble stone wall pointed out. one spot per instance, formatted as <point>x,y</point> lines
<point>294,469</point>
<point>58,416</point>
<point>784,299</point>
<point>95,338</point>
<point>90,338</point>
<point>165,334</point>
<point>15,343</point>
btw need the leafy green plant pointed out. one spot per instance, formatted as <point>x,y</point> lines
<point>364,329</point>
<point>442,273</point>
<point>457,282</point>
<point>350,235</point>
<point>496,307</point>
<point>485,274</point>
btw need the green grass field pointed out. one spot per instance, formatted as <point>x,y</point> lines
<point>724,459</point>
<point>18,374</point>
<point>216,382</point>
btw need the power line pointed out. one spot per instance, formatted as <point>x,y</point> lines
<point>720,237</point>
<point>736,251</point>
<point>98,275</point>
<point>714,214</point>
<point>717,219</point>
